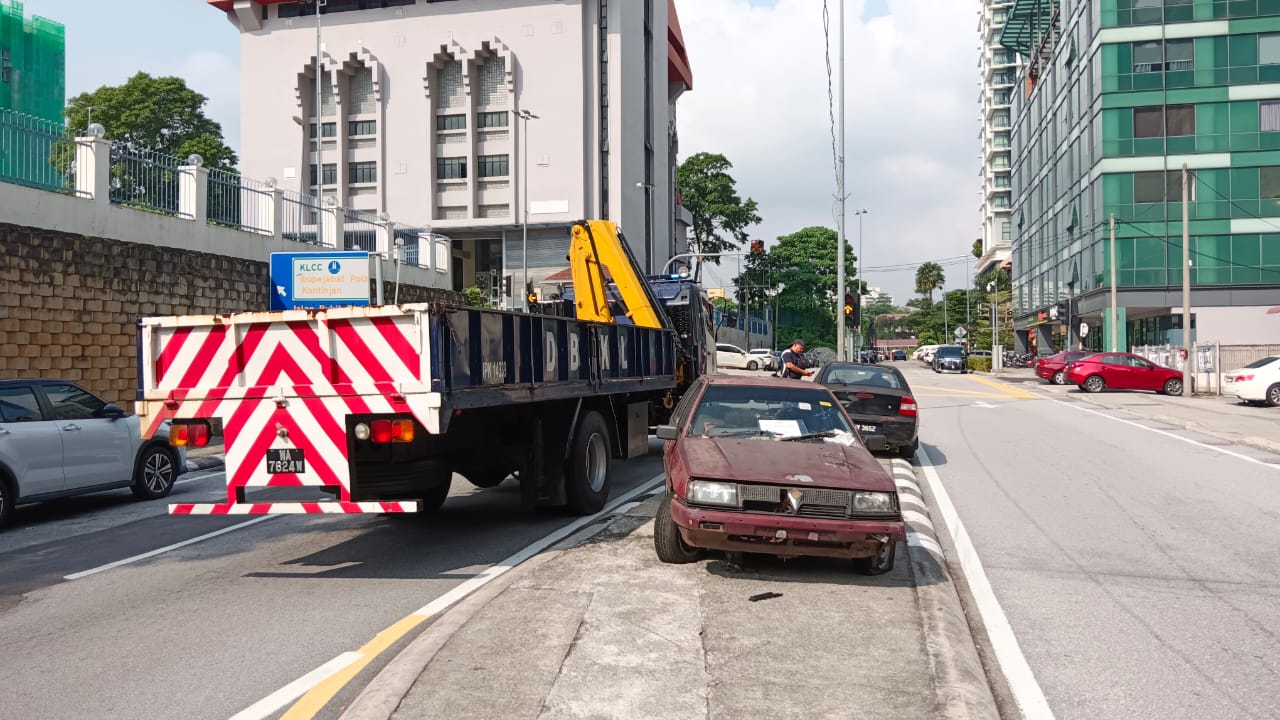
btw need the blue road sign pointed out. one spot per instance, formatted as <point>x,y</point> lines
<point>319,279</point>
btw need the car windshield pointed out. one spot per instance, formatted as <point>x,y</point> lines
<point>769,412</point>
<point>859,375</point>
<point>950,351</point>
<point>1261,363</point>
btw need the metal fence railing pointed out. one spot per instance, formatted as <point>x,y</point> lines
<point>144,179</point>
<point>359,230</point>
<point>1212,360</point>
<point>36,153</point>
<point>240,202</point>
<point>299,217</point>
<point>412,244</point>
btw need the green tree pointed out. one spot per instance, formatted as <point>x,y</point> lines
<point>159,114</point>
<point>977,248</point>
<point>929,277</point>
<point>720,216</point>
<point>799,275</point>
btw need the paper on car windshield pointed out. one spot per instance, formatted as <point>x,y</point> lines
<point>841,438</point>
<point>785,428</point>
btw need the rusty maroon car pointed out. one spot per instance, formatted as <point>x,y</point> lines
<point>773,466</point>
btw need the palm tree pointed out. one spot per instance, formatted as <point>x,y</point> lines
<point>929,276</point>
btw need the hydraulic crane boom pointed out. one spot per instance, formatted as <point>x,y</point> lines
<point>595,248</point>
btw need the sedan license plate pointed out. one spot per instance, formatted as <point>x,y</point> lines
<point>869,429</point>
<point>282,461</point>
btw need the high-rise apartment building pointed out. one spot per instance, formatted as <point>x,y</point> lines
<point>437,113</point>
<point>1114,98</point>
<point>997,67</point>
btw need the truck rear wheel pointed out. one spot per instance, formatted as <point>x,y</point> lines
<point>433,497</point>
<point>586,475</point>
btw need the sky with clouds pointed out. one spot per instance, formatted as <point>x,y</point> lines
<point>760,98</point>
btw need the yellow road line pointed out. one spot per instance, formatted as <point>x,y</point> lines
<point>1008,390</point>
<point>309,705</point>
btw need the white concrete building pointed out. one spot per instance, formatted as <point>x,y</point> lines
<point>997,67</point>
<point>876,295</point>
<point>420,118</point>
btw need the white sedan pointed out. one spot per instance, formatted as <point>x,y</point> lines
<point>1257,383</point>
<point>768,360</point>
<point>732,356</point>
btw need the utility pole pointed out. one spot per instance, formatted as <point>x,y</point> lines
<point>1188,348</point>
<point>996,357</point>
<point>319,118</point>
<point>946,327</point>
<point>526,116</point>
<point>1115,312</point>
<point>840,244</point>
<point>859,281</point>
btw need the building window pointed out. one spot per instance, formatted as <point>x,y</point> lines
<point>1166,120</point>
<point>1269,182</point>
<point>1004,77</point>
<point>999,17</point>
<point>1269,116</point>
<point>358,128</point>
<point>449,83</point>
<point>330,174</point>
<point>1000,201</point>
<point>1001,57</point>
<point>493,119</point>
<point>493,166</point>
<point>1000,119</point>
<point>1171,55</point>
<point>451,122</point>
<point>493,82</point>
<point>329,129</point>
<point>451,168</point>
<point>1001,97</point>
<point>1269,49</point>
<point>1159,186</point>
<point>1006,233</point>
<point>1002,182</point>
<point>362,101</point>
<point>362,172</point>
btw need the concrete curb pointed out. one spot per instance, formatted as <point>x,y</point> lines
<point>961,685</point>
<point>208,462</point>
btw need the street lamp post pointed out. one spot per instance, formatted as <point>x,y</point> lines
<point>860,282</point>
<point>946,326</point>
<point>526,116</point>
<point>319,126</point>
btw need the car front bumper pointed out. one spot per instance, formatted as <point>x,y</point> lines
<point>950,366</point>
<point>782,534</point>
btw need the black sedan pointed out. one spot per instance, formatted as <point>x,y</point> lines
<point>879,401</point>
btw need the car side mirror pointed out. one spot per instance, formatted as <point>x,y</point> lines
<point>668,432</point>
<point>112,412</point>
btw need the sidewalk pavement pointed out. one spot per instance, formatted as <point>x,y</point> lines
<point>1219,417</point>
<point>604,630</point>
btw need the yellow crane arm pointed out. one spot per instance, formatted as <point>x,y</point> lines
<point>595,246</point>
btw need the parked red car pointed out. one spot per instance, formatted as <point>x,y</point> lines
<point>773,466</point>
<point>1054,367</point>
<point>1123,371</point>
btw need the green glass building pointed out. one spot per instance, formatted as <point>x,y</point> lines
<point>1115,96</point>
<point>32,63</point>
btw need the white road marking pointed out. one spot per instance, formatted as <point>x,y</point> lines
<point>1166,433</point>
<point>1022,681</point>
<point>268,705</point>
<point>984,404</point>
<point>165,549</point>
<point>189,477</point>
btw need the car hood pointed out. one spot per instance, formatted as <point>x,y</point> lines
<point>771,461</point>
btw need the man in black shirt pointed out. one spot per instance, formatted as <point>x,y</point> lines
<point>793,363</point>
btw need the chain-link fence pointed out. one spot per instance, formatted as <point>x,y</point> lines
<point>36,153</point>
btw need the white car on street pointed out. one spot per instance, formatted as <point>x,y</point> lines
<point>732,356</point>
<point>1257,383</point>
<point>768,360</point>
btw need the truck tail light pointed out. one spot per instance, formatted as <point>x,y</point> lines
<point>908,407</point>
<point>195,434</point>
<point>388,431</point>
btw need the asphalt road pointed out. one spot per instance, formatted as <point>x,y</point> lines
<point>209,629</point>
<point>1136,568</point>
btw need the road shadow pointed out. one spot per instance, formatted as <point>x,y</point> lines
<point>936,456</point>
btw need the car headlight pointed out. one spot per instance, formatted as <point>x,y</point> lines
<point>874,502</point>
<point>707,492</point>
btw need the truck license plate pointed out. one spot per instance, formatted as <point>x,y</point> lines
<point>285,461</point>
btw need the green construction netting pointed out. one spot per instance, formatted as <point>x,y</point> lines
<point>33,64</point>
<point>1029,20</point>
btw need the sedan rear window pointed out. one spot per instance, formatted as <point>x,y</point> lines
<point>1261,363</point>
<point>729,411</point>
<point>864,376</point>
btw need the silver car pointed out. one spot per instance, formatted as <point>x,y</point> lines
<point>58,439</point>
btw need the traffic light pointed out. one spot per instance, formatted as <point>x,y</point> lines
<point>531,297</point>
<point>757,247</point>
<point>850,310</point>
